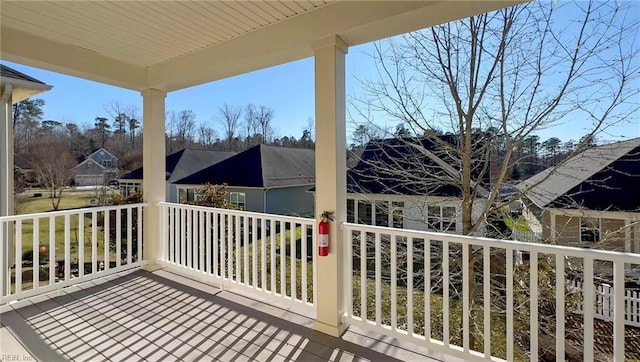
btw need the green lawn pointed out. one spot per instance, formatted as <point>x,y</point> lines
<point>76,235</point>
<point>70,200</point>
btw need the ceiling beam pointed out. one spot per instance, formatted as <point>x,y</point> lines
<point>20,47</point>
<point>357,22</point>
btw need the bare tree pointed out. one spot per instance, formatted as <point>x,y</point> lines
<point>53,167</point>
<point>263,117</point>
<point>206,136</point>
<point>491,82</point>
<point>496,79</point>
<point>229,118</point>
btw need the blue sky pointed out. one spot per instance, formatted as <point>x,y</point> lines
<point>287,88</point>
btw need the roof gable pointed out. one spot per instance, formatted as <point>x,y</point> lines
<point>599,178</point>
<point>97,152</point>
<point>88,161</point>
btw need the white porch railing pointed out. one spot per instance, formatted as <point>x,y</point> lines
<point>465,296</point>
<point>263,253</point>
<point>56,249</point>
<point>605,302</point>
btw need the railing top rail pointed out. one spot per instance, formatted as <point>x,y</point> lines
<point>504,244</point>
<point>69,212</point>
<point>302,220</point>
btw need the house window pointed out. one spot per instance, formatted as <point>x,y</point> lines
<point>89,164</point>
<point>590,229</point>
<point>186,195</point>
<point>386,213</point>
<point>239,199</point>
<point>441,218</point>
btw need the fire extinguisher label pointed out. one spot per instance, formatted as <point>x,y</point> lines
<point>324,240</point>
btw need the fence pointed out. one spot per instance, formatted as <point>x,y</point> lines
<point>604,303</point>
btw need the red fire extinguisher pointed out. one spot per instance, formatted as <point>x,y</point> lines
<point>323,230</point>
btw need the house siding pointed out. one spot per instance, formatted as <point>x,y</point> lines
<point>613,235</point>
<point>291,201</point>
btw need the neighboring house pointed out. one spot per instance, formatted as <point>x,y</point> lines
<point>178,165</point>
<point>394,184</point>
<point>24,167</point>
<point>593,199</point>
<point>96,169</point>
<point>269,179</point>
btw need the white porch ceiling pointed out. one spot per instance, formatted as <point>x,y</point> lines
<point>170,45</point>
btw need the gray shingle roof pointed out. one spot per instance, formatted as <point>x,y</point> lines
<point>553,183</point>
<point>260,166</point>
<point>185,162</point>
<point>7,72</point>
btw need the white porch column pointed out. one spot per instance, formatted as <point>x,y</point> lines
<point>153,170</point>
<point>331,184</point>
<point>6,182</point>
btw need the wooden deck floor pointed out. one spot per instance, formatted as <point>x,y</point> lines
<point>162,316</point>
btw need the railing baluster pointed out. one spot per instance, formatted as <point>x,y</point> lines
<point>445,293</point>
<point>378,271</point>
<point>139,243</point>
<point>216,244</point>
<point>4,265</point>
<point>283,264</point>
<point>52,250</point>
<point>303,262</point>
<point>394,282</point>
<point>36,252</point>
<point>224,259</point>
<point>18,251</point>
<point>94,243</point>
<point>173,232</point>
<point>533,306</point>
<point>272,238</point>
<point>118,214</point>
<point>67,248</point>
<point>560,290</point>
<point>427,290</point>
<point>293,257</point>
<point>509,287</point>
<point>409,285</point>
<point>245,240</point>
<point>465,297</point>
<point>363,276</point>
<point>254,256</point>
<point>229,231</point>
<point>105,240</point>
<point>207,243</point>
<point>588,309</point>
<point>183,242</point>
<point>130,234</point>
<point>201,242</point>
<point>486,283</point>
<point>81,244</point>
<point>190,262</point>
<point>238,248</point>
<point>263,254</point>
